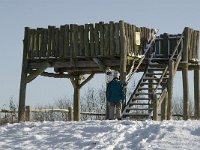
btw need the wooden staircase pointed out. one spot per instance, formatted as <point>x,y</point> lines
<point>151,89</point>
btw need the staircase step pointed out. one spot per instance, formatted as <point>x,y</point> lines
<point>156,69</point>
<point>140,98</point>
<point>146,94</point>
<point>139,104</point>
<point>147,83</point>
<point>154,78</point>
<point>142,94</point>
<point>157,65</point>
<point>142,88</point>
<point>138,109</point>
<point>155,73</point>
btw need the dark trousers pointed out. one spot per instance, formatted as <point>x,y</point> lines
<point>111,107</point>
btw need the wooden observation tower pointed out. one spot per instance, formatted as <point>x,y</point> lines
<point>75,50</point>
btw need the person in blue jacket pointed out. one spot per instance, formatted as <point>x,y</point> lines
<point>115,96</point>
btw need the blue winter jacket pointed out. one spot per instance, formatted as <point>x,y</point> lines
<point>115,92</point>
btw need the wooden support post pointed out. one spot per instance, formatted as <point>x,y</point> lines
<point>76,82</point>
<point>123,54</point>
<point>28,112</point>
<point>22,92</point>
<point>164,108</point>
<point>185,92</point>
<point>197,83</point>
<point>170,89</point>
<point>186,46</point>
<point>70,114</point>
<point>155,107</point>
<point>197,94</point>
<point>77,98</point>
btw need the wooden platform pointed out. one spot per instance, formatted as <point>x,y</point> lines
<point>74,50</point>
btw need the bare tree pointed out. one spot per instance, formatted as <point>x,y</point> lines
<point>178,107</point>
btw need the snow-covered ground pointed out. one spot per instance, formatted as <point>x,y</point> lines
<point>104,135</point>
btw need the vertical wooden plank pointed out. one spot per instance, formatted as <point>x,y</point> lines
<point>61,41</point>
<point>101,29</point>
<point>127,37</point>
<point>197,44</point>
<point>194,54</point>
<point>78,41</point>
<point>106,40</point>
<point>49,48</point>
<point>81,30</point>
<point>165,50</point>
<point>131,39</point>
<point>97,40</point>
<point>194,45</point>
<point>22,92</point>
<point>170,89</point>
<point>34,44</point>
<point>111,37</point>
<point>190,45</point>
<point>28,113</point>
<point>45,42</point>
<point>186,44</point>
<point>37,46</point>
<point>53,52</point>
<point>160,45</point>
<point>92,44</point>
<point>139,47</point>
<point>70,114</point>
<point>142,40</point>
<point>75,40</point>
<point>86,39</point>
<point>134,39</point>
<point>71,40</point>
<point>117,41</point>
<point>42,43</point>
<point>56,42</point>
<point>66,42</point>
<point>149,35</point>
<point>30,43</point>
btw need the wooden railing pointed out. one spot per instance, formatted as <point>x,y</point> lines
<point>89,40</point>
<point>68,112</point>
<point>166,43</point>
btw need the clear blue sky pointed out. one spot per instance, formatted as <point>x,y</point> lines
<point>168,16</point>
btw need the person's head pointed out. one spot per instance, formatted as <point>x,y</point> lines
<point>115,74</point>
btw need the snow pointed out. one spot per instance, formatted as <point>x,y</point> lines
<point>102,135</point>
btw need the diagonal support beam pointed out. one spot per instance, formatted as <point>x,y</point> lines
<point>32,76</point>
<point>100,64</point>
<point>87,80</point>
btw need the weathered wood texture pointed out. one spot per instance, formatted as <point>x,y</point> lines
<point>89,40</point>
<point>166,43</point>
<point>22,92</point>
